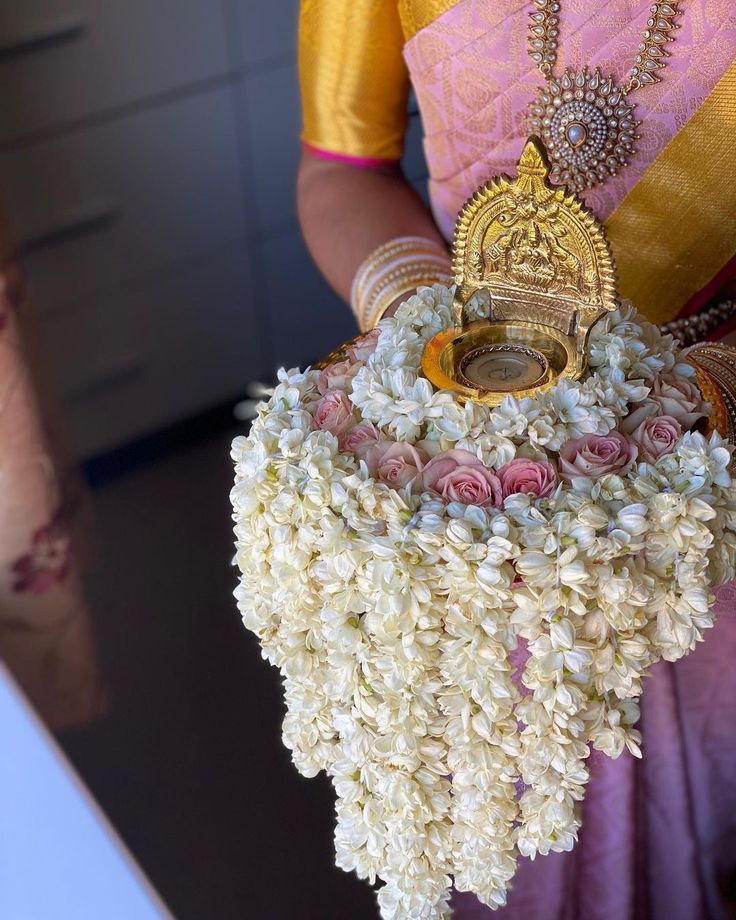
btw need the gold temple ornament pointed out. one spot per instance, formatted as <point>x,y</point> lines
<point>539,262</point>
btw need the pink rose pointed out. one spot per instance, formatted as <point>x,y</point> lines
<point>656,437</point>
<point>338,376</point>
<point>359,439</point>
<point>533,477</point>
<point>670,395</point>
<point>459,476</point>
<point>395,462</point>
<point>364,347</point>
<point>334,413</point>
<point>595,455</point>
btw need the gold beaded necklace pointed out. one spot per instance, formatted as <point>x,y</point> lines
<point>585,120</point>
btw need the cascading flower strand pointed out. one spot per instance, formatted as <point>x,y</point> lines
<point>464,601</point>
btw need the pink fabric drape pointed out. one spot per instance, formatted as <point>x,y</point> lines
<point>45,633</point>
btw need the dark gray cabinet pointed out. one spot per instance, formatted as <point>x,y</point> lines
<point>148,151</point>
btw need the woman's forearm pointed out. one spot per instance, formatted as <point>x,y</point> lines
<point>346,212</point>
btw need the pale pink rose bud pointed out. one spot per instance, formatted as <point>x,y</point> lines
<point>656,437</point>
<point>396,463</point>
<point>679,398</point>
<point>595,455</point>
<point>638,412</point>
<point>338,376</point>
<point>364,346</point>
<point>334,413</point>
<point>459,476</point>
<point>359,439</point>
<point>670,395</point>
<point>532,477</point>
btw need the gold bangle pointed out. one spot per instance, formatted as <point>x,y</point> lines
<point>390,297</point>
<point>718,419</point>
<point>418,269</point>
<point>398,282</point>
<point>382,307</point>
<point>715,351</point>
<point>719,382</point>
<point>383,257</point>
<point>388,252</point>
<point>721,372</point>
<point>406,262</point>
<point>395,262</point>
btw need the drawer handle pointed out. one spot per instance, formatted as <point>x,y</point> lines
<point>87,219</point>
<point>64,29</point>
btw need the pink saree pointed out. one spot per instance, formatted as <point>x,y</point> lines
<point>474,80</point>
<point>659,835</point>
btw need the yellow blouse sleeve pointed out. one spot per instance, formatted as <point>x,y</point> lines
<point>354,82</point>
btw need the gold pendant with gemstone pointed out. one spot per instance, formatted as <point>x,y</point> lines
<point>587,126</point>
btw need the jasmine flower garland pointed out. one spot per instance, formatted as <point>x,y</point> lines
<point>396,547</point>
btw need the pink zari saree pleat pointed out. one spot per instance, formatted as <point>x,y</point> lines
<point>658,835</point>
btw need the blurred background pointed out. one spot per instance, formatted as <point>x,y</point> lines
<point>148,153</point>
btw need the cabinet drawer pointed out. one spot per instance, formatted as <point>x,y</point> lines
<point>273,142</point>
<point>306,319</point>
<point>267,30</point>
<point>111,203</point>
<point>61,60</point>
<point>150,355</point>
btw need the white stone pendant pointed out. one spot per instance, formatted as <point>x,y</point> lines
<point>586,125</point>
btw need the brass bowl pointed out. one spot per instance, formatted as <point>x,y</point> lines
<point>447,355</point>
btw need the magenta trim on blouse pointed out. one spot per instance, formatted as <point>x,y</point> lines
<point>363,162</point>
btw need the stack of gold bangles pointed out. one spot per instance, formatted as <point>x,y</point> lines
<point>715,368</point>
<point>396,268</point>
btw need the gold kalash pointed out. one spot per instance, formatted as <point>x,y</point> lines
<point>539,265</point>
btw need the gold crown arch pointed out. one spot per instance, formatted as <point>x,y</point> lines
<point>541,266</point>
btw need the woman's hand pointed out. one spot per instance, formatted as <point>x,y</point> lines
<point>397,303</point>
<point>347,211</point>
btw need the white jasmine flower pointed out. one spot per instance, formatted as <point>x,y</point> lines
<point>392,613</point>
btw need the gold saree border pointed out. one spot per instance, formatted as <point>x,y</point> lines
<point>418,14</point>
<point>676,228</point>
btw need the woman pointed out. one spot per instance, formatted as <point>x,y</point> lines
<point>654,160</point>
<point>45,632</point>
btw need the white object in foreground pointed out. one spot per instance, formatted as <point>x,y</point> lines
<point>59,857</point>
